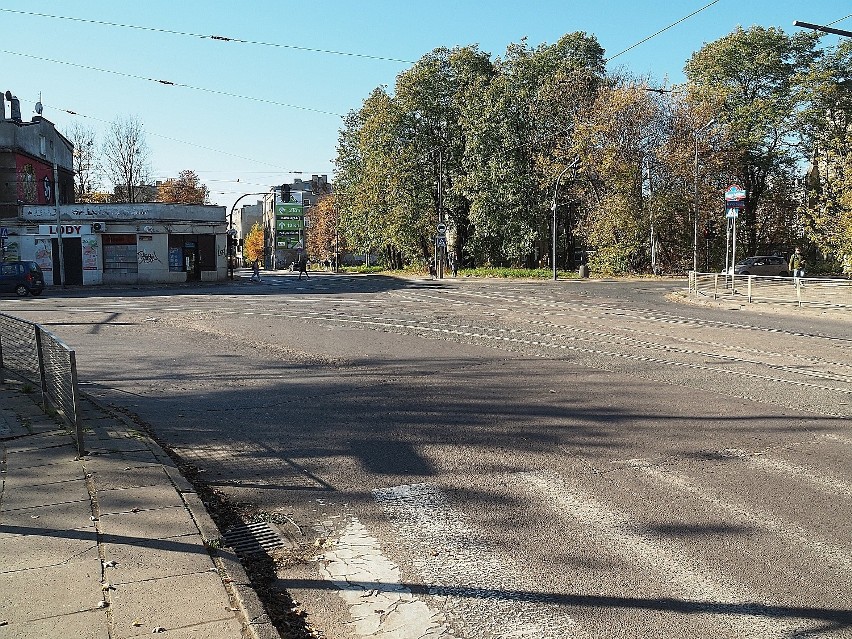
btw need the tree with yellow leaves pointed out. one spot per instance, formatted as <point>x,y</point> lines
<point>253,245</point>
<point>186,189</point>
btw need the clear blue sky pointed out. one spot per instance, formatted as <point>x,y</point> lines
<point>226,139</point>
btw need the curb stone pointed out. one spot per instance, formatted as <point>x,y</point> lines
<point>235,580</point>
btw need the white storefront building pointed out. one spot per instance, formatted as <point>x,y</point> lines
<point>120,243</point>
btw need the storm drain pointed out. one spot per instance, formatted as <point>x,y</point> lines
<point>250,539</point>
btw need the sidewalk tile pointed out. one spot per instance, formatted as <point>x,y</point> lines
<point>74,515</point>
<point>145,601</point>
<point>184,555</point>
<point>119,500</point>
<point>36,549</point>
<point>163,523</point>
<point>20,493</point>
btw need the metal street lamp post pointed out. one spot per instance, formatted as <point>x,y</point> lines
<point>571,166</point>
<point>695,211</point>
<point>232,233</point>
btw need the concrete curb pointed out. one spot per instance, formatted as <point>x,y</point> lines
<point>235,580</point>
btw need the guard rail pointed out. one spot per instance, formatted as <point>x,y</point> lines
<point>801,291</point>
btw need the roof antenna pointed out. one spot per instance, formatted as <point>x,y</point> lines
<point>38,107</point>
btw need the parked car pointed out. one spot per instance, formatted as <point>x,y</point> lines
<point>762,265</point>
<point>23,278</point>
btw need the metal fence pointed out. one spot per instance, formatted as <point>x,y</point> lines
<point>33,354</point>
<point>800,291</point>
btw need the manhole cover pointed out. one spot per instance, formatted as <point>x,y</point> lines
<point>250,539</point>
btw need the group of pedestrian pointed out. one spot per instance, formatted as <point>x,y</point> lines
<point>452,264</point>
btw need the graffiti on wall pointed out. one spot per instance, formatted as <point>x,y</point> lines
<point>147,258</point>
<point>35,181</point>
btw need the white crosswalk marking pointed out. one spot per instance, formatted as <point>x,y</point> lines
<point>369,582</point>
<point>620,537</point>
<point>478,589</point>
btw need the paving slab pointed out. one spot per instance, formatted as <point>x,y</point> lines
<point>35,595</point>
<point>152,497</point>
<point>73,515</point>
<point>64,454</point>
<point>19,493</point>
<point>41,440</point>
<point>145,601</point>
<point>49,474</point>
<point>121,476</point>
<point>170,558</point>
<point>85,624</point>
<point>38,550</point>
<point>162,523</point>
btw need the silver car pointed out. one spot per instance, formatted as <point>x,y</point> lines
<point>762,265</point>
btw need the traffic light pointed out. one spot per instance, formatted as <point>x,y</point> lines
<point>285,193</point>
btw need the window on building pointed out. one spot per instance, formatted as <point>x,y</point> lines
<point>176,262</point>
<point>120,253</point>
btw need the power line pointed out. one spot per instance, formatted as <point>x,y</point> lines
<point>654,35</point>
<point>219,38</point>
<point>173,84</point>
<point>277,169</point>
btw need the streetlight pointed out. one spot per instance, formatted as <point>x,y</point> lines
<point>571,166</point>
<point>695,212</point>
<point>819,27</point>
<point>232,233</point>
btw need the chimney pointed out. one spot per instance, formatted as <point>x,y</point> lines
<point>2,106</point>
<point>15,107</point>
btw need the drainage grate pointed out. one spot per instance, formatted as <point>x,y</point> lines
<point>250,539</point>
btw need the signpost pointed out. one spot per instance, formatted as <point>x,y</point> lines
<point>440,248</point>
<point>735,197</point>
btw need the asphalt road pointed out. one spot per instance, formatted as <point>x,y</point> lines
<point>482,459</point>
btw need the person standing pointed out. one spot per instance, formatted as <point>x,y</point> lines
<point>303,265</point>
<point>797,264</point>
<point>255,271</point>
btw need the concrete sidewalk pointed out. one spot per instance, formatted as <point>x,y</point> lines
<point>111,545</point>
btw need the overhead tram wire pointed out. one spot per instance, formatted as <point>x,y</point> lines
<point>173,84</point>
<point>277,169</point>
<point>219,38</point>
<point>654,35</point>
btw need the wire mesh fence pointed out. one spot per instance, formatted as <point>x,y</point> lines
<point>799,291</point>
<point>33,354</point>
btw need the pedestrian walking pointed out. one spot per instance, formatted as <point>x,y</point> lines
<point>255,271</point>
<point>797,264</point>
<point>303,265</point>
<point>432,272</point>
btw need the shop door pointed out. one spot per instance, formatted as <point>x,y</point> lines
<point>191,261</point>
<point>72,249</point>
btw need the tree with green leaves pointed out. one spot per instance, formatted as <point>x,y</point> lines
<point>752,79</point>
<point>827,133</point>
<point>525,116</point>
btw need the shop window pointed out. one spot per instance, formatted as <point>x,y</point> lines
<point>120,253</point>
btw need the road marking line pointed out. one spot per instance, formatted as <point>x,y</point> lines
<point>478,589</point>
<point>793,535</point>
<point>370,583</point>
<point>622,538</point>
<point>827,483</point>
